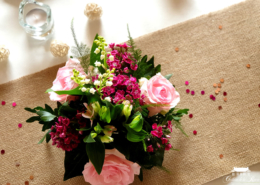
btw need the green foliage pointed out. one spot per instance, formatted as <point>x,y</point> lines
<point>75,91</point>
<point>45,116</point>
<point>137,53</point>
<point>89,139</point>
<point>134,136</point>
<point>75,161</point>
<point>47,136</point>
<point>168,76</point>
<point>96,57</point>
<point>137,122</point>
<point>96,154</point>
<point>140,176</point>
<point>146,68</point>
<point>80,51</point>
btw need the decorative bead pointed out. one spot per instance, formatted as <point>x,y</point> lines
<point>248,65</point>
<point>176,49</point>
<point>14,104</point>
<point>225,93</point>
<point>26,182</point>
<point>2,152</point>
<point>222,80</point>
<point>187,91</point>
<point>220,27</point>
<point>4,53</point>
<point>20,125</point>
<point>3,103</point>
<point>215,85</point>
<point>186,82</point>
<point>195,132</point>
<point>259,105</point>
<point>219,107</point>
<point>31,177</point>
<point>17,164</point>
<point>93,11</point>
<point>221,156</point>
<point>192,92</point>
<point>225,99</point>
<point>59,49</point>
<point>202,92</point>
<point>190,115</point>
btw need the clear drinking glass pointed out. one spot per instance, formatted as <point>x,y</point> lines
<point>36,19</point>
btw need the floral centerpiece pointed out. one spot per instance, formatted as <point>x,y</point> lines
<point>114,114</point>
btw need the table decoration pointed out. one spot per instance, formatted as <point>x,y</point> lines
<point>59,49</point>
<point>114,116</point>
<point>36,19</point>
<point>206,55</point>
<point>93,11</point>
<point>4,53</point>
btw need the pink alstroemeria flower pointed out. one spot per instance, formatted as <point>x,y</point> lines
<point>89,112</point>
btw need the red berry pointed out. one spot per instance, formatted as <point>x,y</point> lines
<point>187,91</point>
<point>192,92</point>
<point>2,152</point>
<point>190,115</point>
<point>225,93</point>
<point>195,132</point>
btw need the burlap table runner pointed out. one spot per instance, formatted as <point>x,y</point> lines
<point>205,55</point>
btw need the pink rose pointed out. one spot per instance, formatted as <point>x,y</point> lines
<point>158,90</point>
<point>63,80</point>
<point>116,170</point>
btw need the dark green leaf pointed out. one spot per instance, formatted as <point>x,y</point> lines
<point>134,136</point>
<point>176,118</point>
<point>46,116</point>
<point>48,133</point>
<point>168,76</point>
<point>83,129</point>
<point>32,119</point>
<point>183,111</point>
<point>96,154</point>
<point>39,108</point>
<point>48,109</point>
<point>89,139</point>
<point>47,125</point>
<point>137,122</point>
<point>30,110</point>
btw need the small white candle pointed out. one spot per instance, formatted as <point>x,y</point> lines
<point>36,17</point>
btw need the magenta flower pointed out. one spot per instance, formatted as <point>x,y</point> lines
<point>168,146</point>
<point>63,136</point>
<point>154,126</point>
<point>164,140</point>
<point>150,148</point>
<point>169,126</point>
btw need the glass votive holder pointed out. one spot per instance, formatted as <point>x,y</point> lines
<point>36,19</point>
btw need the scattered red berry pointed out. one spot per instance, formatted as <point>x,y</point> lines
<point>202,92</point>
<point>20,125</point>
<point>190,115</point>
<point>259,105</point>
<point>14,104</point>
<point>225,93</point>
<point>3,102</point>
<point>186,82</point>
<point>187,91</point>
<point>195,132</point>
<point>192,92</point>
<point>2,152</point>
<point>219,107</point>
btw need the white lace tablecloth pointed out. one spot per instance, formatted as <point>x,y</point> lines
<point>29,56</point>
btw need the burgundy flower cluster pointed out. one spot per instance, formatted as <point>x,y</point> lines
<point>158,133</point>
<point>63,135</point>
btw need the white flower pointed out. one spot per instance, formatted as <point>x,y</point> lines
<point>97,51</point>
<point>96,70</point>
<point>111,79</point>
<point>97,82</point>
<point>100,76</point>
<point>109,83</point>
<point>141,81</point>
<point>87,81</point>
<point>105,75</point>
<point>83,77</point>
<point>82,82</point>
<point>102,57</point>
<point>92,91</point>
<point>84,89</point>
<point>103,52</point>
<point>97,63</point>
<point>108,99</point>
<point>111,58</point>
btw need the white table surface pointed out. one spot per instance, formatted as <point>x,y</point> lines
<point>143,16</point>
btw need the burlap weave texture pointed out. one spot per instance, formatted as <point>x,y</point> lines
<point>205,55</point>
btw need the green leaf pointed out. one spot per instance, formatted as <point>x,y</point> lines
<point>96,57</point>
<point>49,90</point>
<point>47,125</point>
<point>89,139</point>
<point>39,108</point>
<point>75,91</point>
<point>134,136</point>
<point>115,110</point>
<point>177,118</point>
<point>30,110</point>
<point>96,154</point>
<point>33,119</point>
<point>48,108</point>
<point>46,116</point>
<point>75,161</point>
<point>83,129</point>
<point>168,76</point>
<point>137,122</point>
<point>48,133</point>
<point>104,114</point>
<point>183,111</point>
